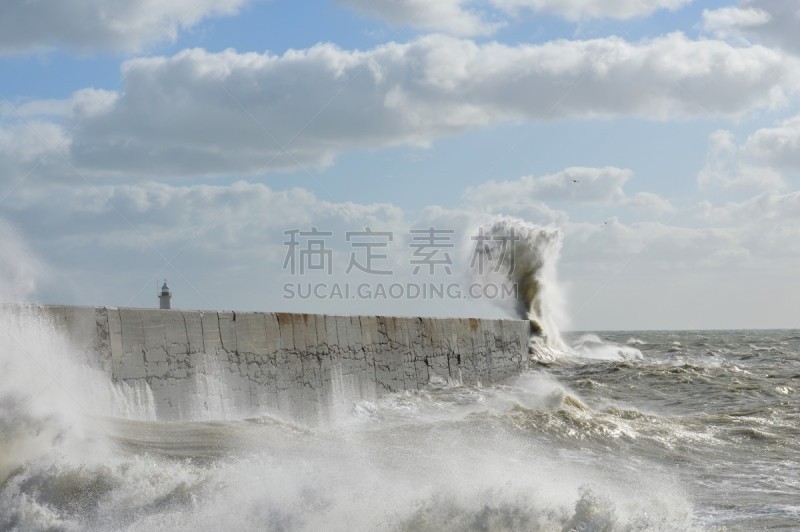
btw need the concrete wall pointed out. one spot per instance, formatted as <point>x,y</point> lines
<point>205,365</point>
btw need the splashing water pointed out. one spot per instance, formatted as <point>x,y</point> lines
<point>594,347</point>
<point>19,268</point>
<point>52,398</point>
<point>526,255</point>
<point>603,440</point>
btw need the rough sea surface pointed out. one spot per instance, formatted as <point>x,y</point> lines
<point>633,431</point>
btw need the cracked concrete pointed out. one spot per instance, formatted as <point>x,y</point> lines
<point>305,366</point>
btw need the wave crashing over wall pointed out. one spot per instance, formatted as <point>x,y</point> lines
<point>526,255</point>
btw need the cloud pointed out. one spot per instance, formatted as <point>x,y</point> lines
<point>731,166</point>
<point>201,113</point>
<point>778,146</point>
<point>449,16</point>
<point>771,22</point>
<point>760,231</point>
<point>730,21</point>
<point>28,26</point>
<point>30,141</point>
<point>166,215</point>
<point>766,208</point>
<point>32,150</point>
<point>767,225</point>
<point>647,204</point>
<point>472,17</point>
<point>34,140</point>
<point>662,246</point>
<point>209,238</point>
<point>588,9</point>
<point>529,193</point>
<point>531,197</point>
<point>82,103</point>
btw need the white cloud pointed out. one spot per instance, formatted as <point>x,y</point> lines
<point>607,246</point>
<point>209,238</point>
<point>530,197</point>
<point>759,232</point>
<point>732,167</point>
<point>586,9</point>
<point>647,204</point>
<point>230,215</point>
<point>771,22</point>
<point>472,17</point>
<point>33,145</point>
<point>728,21</point>
<point>766,208</point>
<point>89,25</point>
<point>201,113</point>
<point>767,225</point>
<point>778,146</point>
<point>449,16</point>
<point>84,102</point>
<point>529,193</point>
<point>28,142</point>
<point>30,151</point>
<point>752,233</point>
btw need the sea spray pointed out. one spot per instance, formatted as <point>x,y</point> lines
<point>594,347</point>
<point>53,403</point>
<point>36,409</point>
<point>526,255</point>
<point>19,268</point>
<point>51,398</point>
<point>446,459</point>
<point>463,459</point>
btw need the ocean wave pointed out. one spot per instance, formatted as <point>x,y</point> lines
<point>527,255</point>
<point>264,493</point>
<point>591,346</point>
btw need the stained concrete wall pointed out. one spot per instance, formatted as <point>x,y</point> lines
<point>310,367</point>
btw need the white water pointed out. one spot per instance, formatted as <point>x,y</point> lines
<point>594,347</point>
<point>532,265</point>
<point>73,456</point>
<point>19,268</point>
<point>529,262</point>
<point>448,460</point>
<point>51,398</point>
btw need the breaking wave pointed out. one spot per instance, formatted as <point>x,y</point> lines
<point>526,255</point>
<point>432,460</point>
<point>593,347</point>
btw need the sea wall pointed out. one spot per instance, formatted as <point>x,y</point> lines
<point>211,365</point>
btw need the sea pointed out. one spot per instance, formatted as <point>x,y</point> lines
<point>639,430</point>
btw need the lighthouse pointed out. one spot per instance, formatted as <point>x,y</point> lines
<point>164,296</point>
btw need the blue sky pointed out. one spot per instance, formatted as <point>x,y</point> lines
<point>141,140</point>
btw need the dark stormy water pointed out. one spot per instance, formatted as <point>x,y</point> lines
<point>634,431</point>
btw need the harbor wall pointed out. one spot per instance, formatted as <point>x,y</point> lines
<point>311,367</point>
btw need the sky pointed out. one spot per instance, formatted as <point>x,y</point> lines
<point>214,142</point>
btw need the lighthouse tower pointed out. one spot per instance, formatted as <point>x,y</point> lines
<point>164,296</point>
